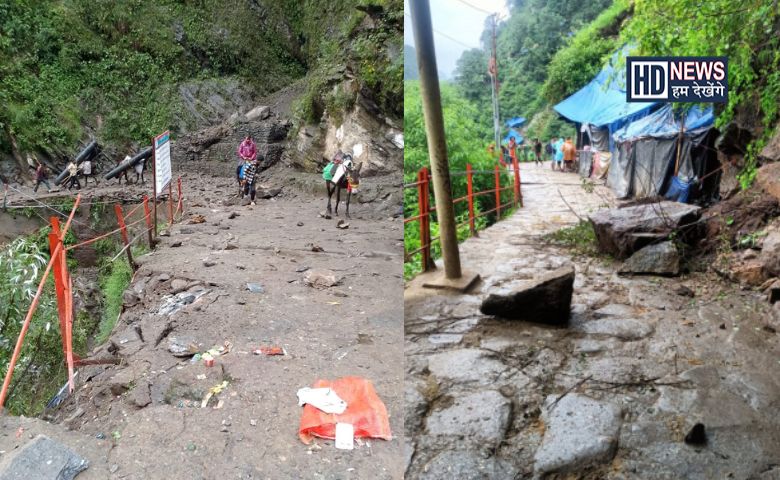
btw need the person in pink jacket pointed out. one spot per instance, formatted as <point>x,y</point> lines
<point>247,152</point>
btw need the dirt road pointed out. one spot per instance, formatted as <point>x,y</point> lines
<point>142,419</point>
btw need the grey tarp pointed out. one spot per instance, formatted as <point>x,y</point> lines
<point>621,171</point>
<point>599,138</point>
<point>653,166</point>
<point>586,161</point>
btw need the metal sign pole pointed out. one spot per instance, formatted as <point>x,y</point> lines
<point>154,185</point>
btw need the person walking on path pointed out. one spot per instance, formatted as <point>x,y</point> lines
<point>124,172</point>
<point>247,153</point>
<point>86,170</point>
<point>139,171</point>
<point>73,176</point>
<point>250,175</point>
<point>41,177</point>
<point>569,154</point>
<point>537,151</point>
<point>559,153</point>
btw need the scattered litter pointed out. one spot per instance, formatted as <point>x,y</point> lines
<point>301,269</point>
<point>19,432</point>
<point>300,224</point>
<point>202,376</point>
<point>116,435</point>
<point>100,436</point>
<point>191,447</point>
<point>366,412</point>
<point>345,436</point>
<point>253,422</point>
<point>173,303</point>
<point>208,360</point>
<point>215,390</point>
<point>316,248</point>
<point>232,215</point>
<point>267,350</point>
<point>325,215</point>
<point>334,303</point>
<point>255,288</point>
<point>220,404</point>
<point>323,399</point>
<point>195,219</point>
<point>342,225</point>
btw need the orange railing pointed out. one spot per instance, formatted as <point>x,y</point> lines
<point>426,209</point>
<point>63,284</point>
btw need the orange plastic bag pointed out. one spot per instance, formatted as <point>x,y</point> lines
<point>365,411</point>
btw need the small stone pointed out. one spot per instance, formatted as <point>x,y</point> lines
<point>253,422</point>
<point>722,326</point>
<point>658,259</point>
<point>342,225</point>
<point>255,288</point>
<point>178,285</point>
<point>696,436</point>
<point>175,244</point>
<point>300,224</point>
<point>321,278</point>
<point>232,215</point>
<point>684,291</point>
<point>164,233</point>
<point>44,458</point>
<point>209,263</point>
<point>113,468</point>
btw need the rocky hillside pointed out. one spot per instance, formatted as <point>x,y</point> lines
<point>124,71</point>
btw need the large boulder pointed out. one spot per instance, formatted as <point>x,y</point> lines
<point>623,231</point>
<point>768,178</point>
<point>771,152</point>
<point>546,299</point>
<point>657,259</point>
<point>42,458</point>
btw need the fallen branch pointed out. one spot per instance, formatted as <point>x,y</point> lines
<point>569,206</point>
<point>569,390</point>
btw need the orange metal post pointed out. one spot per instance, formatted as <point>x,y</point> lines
<point>59,287</point>
<point>148,217</point>
<point>425,231</point>
<point>498,193</point>
<point>470,190</point>
<point>170,203</point>
<point>517,182</point>
<point>121,221</point>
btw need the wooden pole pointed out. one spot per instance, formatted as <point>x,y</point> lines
<point>148,216</point>
<point>679,145</point>
<point>437,144</point>
<point>170,203</point>
<point>123,229</point>
<point>498,193</point>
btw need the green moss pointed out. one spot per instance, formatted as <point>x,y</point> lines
<point>113,282</point>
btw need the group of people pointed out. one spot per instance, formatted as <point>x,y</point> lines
<point>562,154</point>
<point>76,172</point>
<point>247,169</point>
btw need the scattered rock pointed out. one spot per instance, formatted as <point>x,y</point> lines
<point>581,432</point>
<point>326,216</point>
<point>750,272</point>
<point>773,292</point>
<point>684,291</point>
<point>164,233</point>
<point>182,346</point>
<point>342,225</point>
<point>230,246</point>
<point>770,251</point>
<point>615,309</point>
<point>467,465</point>
<point>464,365</point>
<point>623,231</point>
<point>659,259</point>
<point>301,269</point>
<point>546,299</point>
<point>696,436</point>
<point>43,458</point>
<point>233,215</point>
<point>750,254</point>
<point>130,298</point>
<point>141,394</point>
<point>481,416</point>
<point>316,248</point>
<point>178,285</point>
<point>300,224</point>
<point>209,263</point>
<point>320,278</point>
<point>195,219</point>
<point>175,244</point>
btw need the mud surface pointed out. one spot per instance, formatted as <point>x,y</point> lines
<point>143,419</point>
<point>482,394</point>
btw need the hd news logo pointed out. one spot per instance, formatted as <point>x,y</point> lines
<point>677,79</point>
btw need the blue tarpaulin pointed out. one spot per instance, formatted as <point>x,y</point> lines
<point>602,101</point>
<point>513,133</point>
<point>515,122</point>
<point>663,124</point>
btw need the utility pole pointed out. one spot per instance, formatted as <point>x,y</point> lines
<point>493,70</point>
<point>437,146</point>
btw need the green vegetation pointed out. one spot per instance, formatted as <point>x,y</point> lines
<point>579,237</point>
<point>467,142</point>
<point>115,278</point>
<point>118,67</point>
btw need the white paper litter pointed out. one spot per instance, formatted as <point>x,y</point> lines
<point>345,436</point>
<point>324,399</point>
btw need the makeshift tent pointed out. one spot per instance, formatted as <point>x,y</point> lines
<point>513,133</point>
<point>515,122</point>
<point>602,103</point>
<point>647,159</point>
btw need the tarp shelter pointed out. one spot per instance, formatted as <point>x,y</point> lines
<point>602,104</point>
<point>513,133</point>
<point>646,157</point>
<point>515,122</point>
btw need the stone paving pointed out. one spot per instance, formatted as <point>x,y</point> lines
<point>613,394</point>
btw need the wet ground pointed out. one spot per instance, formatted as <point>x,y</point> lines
<point>143,419</point>
<point>612,395</point>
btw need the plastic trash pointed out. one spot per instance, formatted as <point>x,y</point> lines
<point>255,288</point>
<point>345,436</point>
<point>264,350</point>
<point>679,190</point>
<point>365,412</point>
<point>323,399</point>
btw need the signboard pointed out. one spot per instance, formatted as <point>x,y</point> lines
<point>677,79</point>
<point>162,163</point>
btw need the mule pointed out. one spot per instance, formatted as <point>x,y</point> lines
<point>348,178</point>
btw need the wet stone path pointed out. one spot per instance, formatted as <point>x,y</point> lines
<point>612,395</point>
